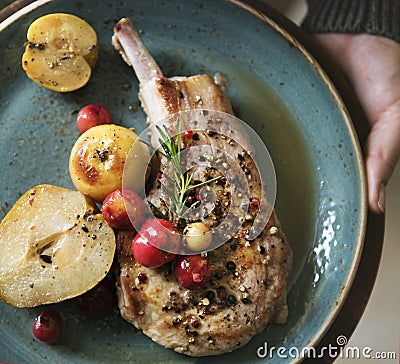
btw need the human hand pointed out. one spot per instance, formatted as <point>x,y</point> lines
<point>372,65</point>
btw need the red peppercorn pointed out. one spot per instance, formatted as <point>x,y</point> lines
<point>188,134</point>
<point>255,203</point>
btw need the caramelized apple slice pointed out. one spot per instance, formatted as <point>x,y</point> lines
<point>61,52</point>
<point>103,155</point>
<point>54,246</point>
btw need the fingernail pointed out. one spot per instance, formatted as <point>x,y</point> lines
<point>381,198</point>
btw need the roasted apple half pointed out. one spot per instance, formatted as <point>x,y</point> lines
<point>102,156</point>
<point>54,245</point>
<point>61,52</point>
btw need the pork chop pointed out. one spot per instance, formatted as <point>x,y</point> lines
<point>247,290</point>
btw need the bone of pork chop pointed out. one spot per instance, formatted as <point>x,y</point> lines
<point>160,96</point>
<point>248,288</point>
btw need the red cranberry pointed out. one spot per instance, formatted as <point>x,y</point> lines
<point>48,326</point>
<point>98,301</point>
<point>92,115</point>
<point>123,209</point>
<point>151,244</point>
<point>192,271</point>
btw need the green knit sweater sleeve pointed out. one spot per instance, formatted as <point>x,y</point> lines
<point>377,17</point>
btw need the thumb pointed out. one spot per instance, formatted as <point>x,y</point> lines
<point>376,170</point>
<point>382,151</point>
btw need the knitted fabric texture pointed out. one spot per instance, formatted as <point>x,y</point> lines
<point>377,17</point>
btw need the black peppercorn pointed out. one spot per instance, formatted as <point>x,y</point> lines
<point>142,277</point>
<point>231,300</point>
<point>230,265</point>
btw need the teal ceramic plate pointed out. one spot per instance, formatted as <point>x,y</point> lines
<point>273,84</point>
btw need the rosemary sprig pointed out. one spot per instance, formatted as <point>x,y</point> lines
<point>177,186</point>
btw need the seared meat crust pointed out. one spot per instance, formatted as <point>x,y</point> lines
<point>248,286</point>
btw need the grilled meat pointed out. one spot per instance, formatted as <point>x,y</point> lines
<point>247,290</point>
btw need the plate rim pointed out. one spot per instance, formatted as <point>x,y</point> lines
<point>19,8</point>
<point>358,153</point>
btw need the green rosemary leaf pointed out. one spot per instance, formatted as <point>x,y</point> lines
<point>177,179</point>
<point>176,162</point>
<point>162,134</point>
<point>167,151</point>
<point>156,211</point>
<point>178,137</point>
<point>172,197</point>
<point>164,141</point>
<point>190,208</point>
<point>203,183</point>
<point>180,183</point>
